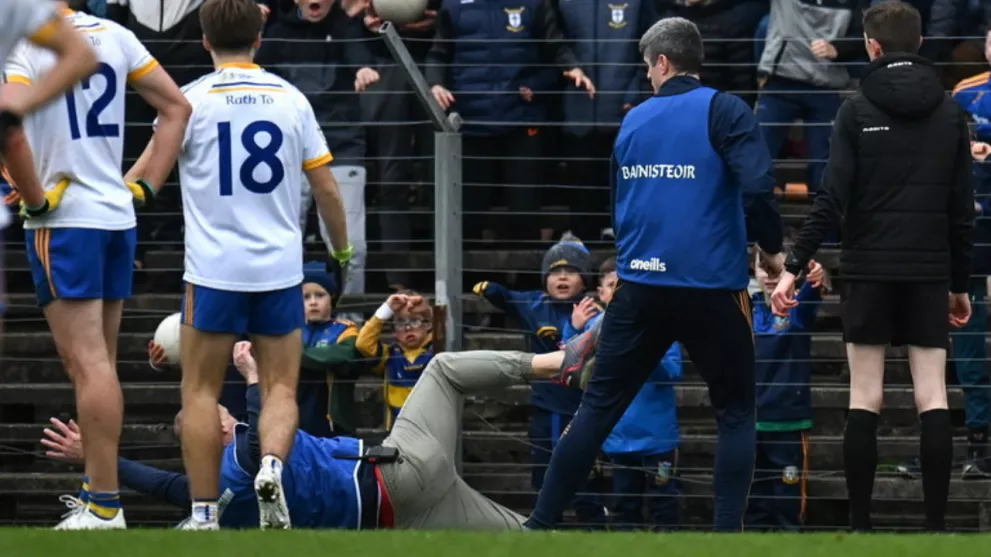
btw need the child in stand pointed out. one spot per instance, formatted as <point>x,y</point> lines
<point>544,316</point>
<point>783,348</point>
<point>644,444</point>
<point>403,359</point>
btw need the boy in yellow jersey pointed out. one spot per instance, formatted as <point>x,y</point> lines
<point>402,360</point>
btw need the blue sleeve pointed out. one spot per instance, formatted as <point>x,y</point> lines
<point>809,300</point>
<point>735,135</point>
<point>169,487</point>
<point>249,454</point>
<point>510,301</point>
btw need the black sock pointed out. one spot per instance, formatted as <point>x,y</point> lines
<point>860,464</point>
<point>936,456</point>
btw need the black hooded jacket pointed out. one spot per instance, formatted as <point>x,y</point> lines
<point>899,174</point>
<point>321,60</point>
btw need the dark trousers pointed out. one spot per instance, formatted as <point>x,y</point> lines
<point>502,169</point>
<point>778,495</point>
<point>394,144</point>
<point>652,477</point>
<point>545,429</point>
<point>588,174</point>
<point>714,326</point>
<point>781,102</point>
<point>970,354</point>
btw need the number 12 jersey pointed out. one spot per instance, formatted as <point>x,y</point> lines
<point>249,140</point>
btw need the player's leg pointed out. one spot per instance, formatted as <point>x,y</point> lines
<point>68,266</point>
<point>628,485</point>
<point>759,507</point>
<point>275,325</point>
<point>634,337</point>
<point>118,281</point>
<point>724,356</point>
<point>212,323</point>
<point>923,327</point>
<point>868,316</point>
<point>426,432</point>
<point>788,460</point>
<point>970,354</point>
<point>663,490</point>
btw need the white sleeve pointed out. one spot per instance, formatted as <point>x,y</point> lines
<point>19,68</point>
<point>29,19</point>
<point>315,151</point>
<point>140,62</point>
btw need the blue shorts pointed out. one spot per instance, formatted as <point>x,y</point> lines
<point>81,263</point>
<point>273,313</point>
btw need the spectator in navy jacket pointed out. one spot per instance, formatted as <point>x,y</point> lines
<point>493,62</point>
<point>320,50</point>
<point>603,35</point>
<point>727,27</point>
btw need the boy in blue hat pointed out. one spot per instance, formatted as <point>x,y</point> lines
<point>545,315</point>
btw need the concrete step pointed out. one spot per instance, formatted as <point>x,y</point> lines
<point>488,447</point>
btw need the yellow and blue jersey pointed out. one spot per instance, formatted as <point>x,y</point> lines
<point>400,367</point>
<point>972,95</point>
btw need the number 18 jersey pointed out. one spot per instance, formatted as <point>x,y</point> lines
<point>80,136</point>
<point>250,137</point>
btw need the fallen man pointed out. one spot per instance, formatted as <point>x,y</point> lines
<point>409,482</point>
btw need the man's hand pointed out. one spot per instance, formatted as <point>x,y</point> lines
<point>364,78</point>
<point>581,80</point>
<point>526,94</point>
<point>582,312</point>
<point>156,355</point>
<point>265,11</point>
<point>444,97</point>
<point>64,444</point>
<point>824,50</point>
<point>816,274</point>
<point>141,192</point>
<point>959,309</point>
<point>424,24</point>
<point>783,297</point>
<point>53,198</point>
<point>979,150</point>
<point>245,362</point>
<point>372,21</point>
<point>773,264</point>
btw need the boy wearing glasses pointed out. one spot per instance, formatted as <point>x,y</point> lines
<point>403,359</point>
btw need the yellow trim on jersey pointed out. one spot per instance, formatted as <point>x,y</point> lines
<point>979,79</point>
<point>318,162</point>
<point>14,78</point>
<point>144,70</point>
<point>247,88</point>
<point>190,305</point>
<point>45,33</point>
<point>240,65</point>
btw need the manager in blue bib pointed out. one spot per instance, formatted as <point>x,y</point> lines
<point>689,167</point>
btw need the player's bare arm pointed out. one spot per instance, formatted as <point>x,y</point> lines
<point>18,158</point>
<point>330,205</point>
<point>76,60</point>
<point>159,91</point>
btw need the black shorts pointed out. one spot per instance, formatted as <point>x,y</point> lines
<point>896,313</point>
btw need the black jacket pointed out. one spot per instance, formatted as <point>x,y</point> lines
<point>321,60</point>
<point>899,173</point>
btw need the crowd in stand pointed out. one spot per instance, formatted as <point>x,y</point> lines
<point>514,69</point>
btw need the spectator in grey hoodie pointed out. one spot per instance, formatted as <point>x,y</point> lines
<point>802,71</point>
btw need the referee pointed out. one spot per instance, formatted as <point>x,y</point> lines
<point>899,174</point>
<point>685,164</point>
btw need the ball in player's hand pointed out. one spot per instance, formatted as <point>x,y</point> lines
<point>400,12</point>
<point>167,337</point>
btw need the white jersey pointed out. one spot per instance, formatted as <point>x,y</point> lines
<point>23,19</point>
<point>80,137</point>
<point>248,141</point>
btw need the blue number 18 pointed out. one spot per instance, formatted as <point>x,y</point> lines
<point>257,155</point>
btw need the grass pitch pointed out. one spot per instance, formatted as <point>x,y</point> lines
<point>298,543</point>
